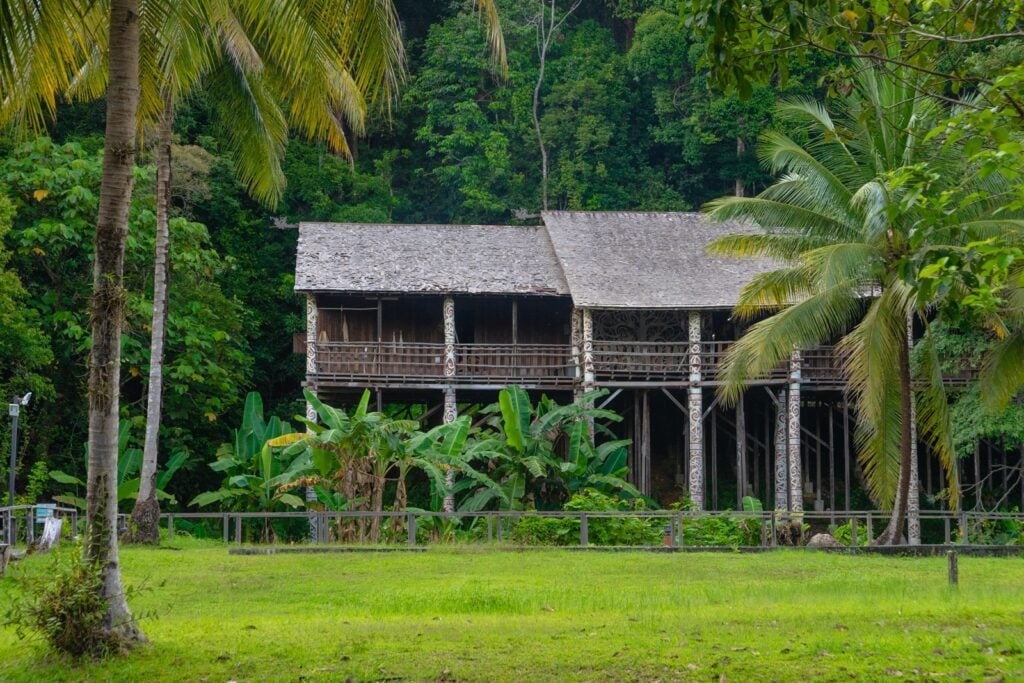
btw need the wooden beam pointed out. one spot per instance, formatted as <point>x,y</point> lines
<point>611,397</point>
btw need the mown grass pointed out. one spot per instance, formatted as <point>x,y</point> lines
<point>554,615</point>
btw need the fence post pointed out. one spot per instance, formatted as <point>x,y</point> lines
<point>963,525</point>
<point>30,526</point>
<point>584,530</point>
<point>224,521</point>
<point>500,534</point>
<point>870,530</point>
<point>170,527</point>
<point>954,569</point>
<point>682,530</point>
<point>490,528</point>
<point>945,529</point>
<point>774,530</point>
<point>411,524</point>
<point>238,529</point>
<point>853,532</point>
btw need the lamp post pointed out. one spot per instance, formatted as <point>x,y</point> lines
<point>14,409</point>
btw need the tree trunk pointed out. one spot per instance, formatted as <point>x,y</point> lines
<point>107,311</point>
<point>893,534</point>
<point>144,526</point>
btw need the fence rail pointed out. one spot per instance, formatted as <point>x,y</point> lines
<point>766,529</point>
<point>18,523</point>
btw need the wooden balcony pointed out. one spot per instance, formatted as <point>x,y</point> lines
<point>416,364</point>
<point>550,366</point>
<point>669,363</point>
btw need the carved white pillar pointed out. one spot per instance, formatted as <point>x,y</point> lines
<point>796,480</point>
<point>913,492</point>
<point>781,467</point>
<point>451,411</point>
<point>311,339</point>
<point>311,332</point>
<point>695,408</point>
<point>576,337</point>
<point>588,349</point>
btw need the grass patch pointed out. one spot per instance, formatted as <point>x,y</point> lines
<point>553,615</point>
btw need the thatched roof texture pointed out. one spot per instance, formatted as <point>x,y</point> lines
<point>600,259</point>
<point>448,259</point>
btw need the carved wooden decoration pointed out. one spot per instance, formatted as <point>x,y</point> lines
<point>796,480</point>
<point>781,490</point>
<point>311,335</point>
<point>449,336</point>
<point>588,350</point>
<point>695,408</point>
<point>639,325</point>
<point>576,337</point>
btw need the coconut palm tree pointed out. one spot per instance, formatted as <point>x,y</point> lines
<point>841,220</point>
<point>43,45</point>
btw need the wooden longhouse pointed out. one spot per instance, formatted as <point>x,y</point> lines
<point>447,315</point>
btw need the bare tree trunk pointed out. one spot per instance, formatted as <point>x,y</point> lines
<point>547,25</point>
<point>893,534</point>
<point>741,149</point>
<point>144,526</point>
<point>107,312</point>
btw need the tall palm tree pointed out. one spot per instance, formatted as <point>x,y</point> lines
<point>43,45</point>
<point>264,65</point>
<point>841,220</point>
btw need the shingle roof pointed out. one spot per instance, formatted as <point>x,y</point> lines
<point>461,259</point>
<point>647,260</point>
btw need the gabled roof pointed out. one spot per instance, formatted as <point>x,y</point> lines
<point>618,259</point>
<point>455,259</point>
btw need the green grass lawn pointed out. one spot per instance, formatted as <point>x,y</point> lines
<point>554,615</point>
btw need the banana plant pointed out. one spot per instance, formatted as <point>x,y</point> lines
<point>354,453</point>
<point>254,472</point>
<point>128,481</point>
<point>521,463</point>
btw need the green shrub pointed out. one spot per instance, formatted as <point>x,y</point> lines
<point>64,606</point>
<point>531,530</point>
<point>844,534</point>
<point>721,530</point>
<point>632,531</point>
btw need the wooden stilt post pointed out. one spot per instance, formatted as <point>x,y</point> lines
<point>645,456</point>
<point>831,461</point>
<point>696,408</point>
<point>741,452</point>
<point>587,358</point>
<point>451,412</point>
<point>846,452</point>
<point>714,458</point>
<point>781,466</point>
<point>311,374</point>
<point>819,499</point>
<point>796,476</point>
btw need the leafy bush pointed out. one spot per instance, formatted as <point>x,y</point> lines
<point>997,531</point>
<point>723,530</point>
<point>546,531</point>
<point>844,534</point>
<point>64,606</point>
<point>632,531</point>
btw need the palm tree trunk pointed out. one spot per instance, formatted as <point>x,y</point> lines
<point>144,526</point>
<point>107,312</point>
<point>893,534</point>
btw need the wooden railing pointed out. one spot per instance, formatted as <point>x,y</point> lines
<point>616,361</point>
<point>552,365</point>
<point>416,363</point>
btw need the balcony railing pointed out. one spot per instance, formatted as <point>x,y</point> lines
<point>552,365</point>
<point>416,363</point>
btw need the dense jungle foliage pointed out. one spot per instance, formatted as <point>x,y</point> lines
<point>629,116</point>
